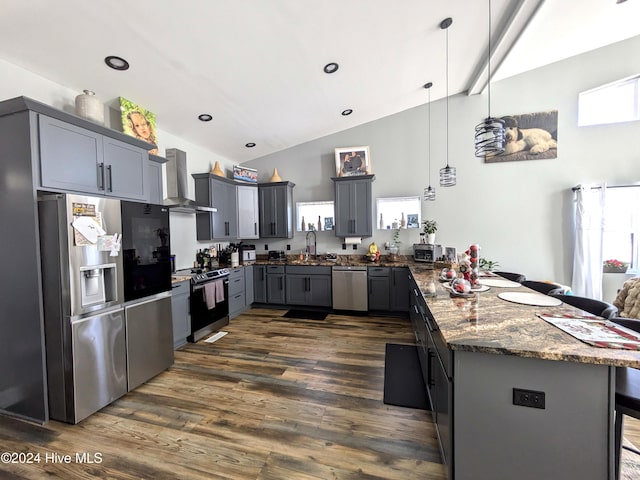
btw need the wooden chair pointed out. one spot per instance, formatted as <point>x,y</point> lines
<point>514,277</point>
<point>627,395</point>
<point>594,307</point>
<point>542,287</point>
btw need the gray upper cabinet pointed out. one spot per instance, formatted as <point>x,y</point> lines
<point>276,209</point>
<point>247,196</point>
<point>218,192</point>
<point>75,159</point>
<point>353,207</point>
<point>154,183</point>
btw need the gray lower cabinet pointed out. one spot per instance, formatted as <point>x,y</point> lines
<point>76,159</point>
<point>379,283</point>
<point>180,313</point>
<point>237,297</point>
<point>260,283</point>
<point>218,192</point>
<point>248,285</point>
<point>275,284</point>
<point>276,209</point>
<point>353,200</point>
<point>399,289</point>
<point>308,285</point>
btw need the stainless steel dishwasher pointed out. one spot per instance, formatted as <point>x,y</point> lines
<point>350,288</point>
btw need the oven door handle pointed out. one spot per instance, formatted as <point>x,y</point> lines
<point>201,286</point>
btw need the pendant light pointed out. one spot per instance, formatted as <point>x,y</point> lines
<point>429,192</point>
<point>447,174</point>
<point>489,138</point>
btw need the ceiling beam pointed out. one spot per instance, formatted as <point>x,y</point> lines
<point>509,30</point>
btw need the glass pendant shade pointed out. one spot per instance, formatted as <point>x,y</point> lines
<point>489,137</point>
<point>429,194</point>
<point>447,176</point>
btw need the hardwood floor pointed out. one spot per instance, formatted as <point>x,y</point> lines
<point>276,398</point>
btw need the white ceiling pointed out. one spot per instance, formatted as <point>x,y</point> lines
<point>256,65</point>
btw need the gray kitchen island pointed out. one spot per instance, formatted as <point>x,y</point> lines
<point>512,395</point>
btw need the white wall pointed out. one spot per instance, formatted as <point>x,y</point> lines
<point>519,212</point>
<point>19,82</point>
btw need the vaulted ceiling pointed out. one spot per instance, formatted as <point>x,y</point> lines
<point>257,65</point>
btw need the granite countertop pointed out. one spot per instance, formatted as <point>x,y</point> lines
<point>486,323</point>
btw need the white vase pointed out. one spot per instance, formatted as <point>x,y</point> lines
<point>90,107</point>
<point>611,283</point>
<point>431,238</point>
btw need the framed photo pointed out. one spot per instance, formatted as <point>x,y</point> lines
<point>352,161</point>
<point>529,136</point>
<point>139,122</point>
<point>245,174</point>
<point>328,223</point>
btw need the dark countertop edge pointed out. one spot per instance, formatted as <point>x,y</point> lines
<point>20,104</point>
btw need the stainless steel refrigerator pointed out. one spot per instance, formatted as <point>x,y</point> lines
<point>84,320</point>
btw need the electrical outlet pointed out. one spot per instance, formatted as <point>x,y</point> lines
<point>355,247</point>
<point>529,398</point>
<point>288,247</point>
<point>344,246</point>
<point>266,247</point>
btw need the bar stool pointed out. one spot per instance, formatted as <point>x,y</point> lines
<point>542,287</point>
<point>514,277</point>
<point>627,395</point>
<point>594,307</point>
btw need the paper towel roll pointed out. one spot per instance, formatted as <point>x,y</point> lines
<point>353,240</point>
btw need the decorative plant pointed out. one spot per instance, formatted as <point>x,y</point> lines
<point>614,266</point>
<point>429,226</point>
<point>396,236</point>
<point>488,265</point>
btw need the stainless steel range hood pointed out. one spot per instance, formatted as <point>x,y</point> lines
<point>177,200</point>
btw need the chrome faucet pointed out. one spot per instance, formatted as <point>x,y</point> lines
<point>311,248</point>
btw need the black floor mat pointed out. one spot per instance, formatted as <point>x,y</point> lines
<point>403,382</point>
<point>306,314</point>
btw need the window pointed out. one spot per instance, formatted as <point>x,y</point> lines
<point>612,103</point>
<point>390,212</point>
<point>621,236</point>
<point>310,213</point>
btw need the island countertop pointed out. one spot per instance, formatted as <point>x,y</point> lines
<point>486,323</point>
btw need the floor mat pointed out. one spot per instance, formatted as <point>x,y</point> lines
<point>306,314</point>
<point>403,382</point>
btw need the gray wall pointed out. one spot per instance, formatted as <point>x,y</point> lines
<point>519,212</point>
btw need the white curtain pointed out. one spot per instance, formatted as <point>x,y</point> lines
<point>589,228</point>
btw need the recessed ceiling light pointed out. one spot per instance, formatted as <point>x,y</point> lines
<point>427,85</point>
<point>205,117</point>
<point>346,112</point>
<point>620,1</point>
<point>331,67</point>
<point>117,63</point>
<point>250,145</point>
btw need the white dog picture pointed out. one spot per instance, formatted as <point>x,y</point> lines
<point>531,136</point>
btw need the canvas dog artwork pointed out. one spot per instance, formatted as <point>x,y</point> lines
<point>531,136</point>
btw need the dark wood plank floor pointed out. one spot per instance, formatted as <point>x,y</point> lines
<point>276,398</point>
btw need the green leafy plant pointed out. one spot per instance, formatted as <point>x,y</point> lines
<point>429,226</point>
<point>489,265</point>
<point>396,236</point>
